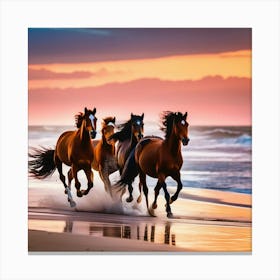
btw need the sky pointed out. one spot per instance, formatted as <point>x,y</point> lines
<point>204,71</point>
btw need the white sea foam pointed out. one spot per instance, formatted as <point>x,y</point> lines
<point>50,193</point>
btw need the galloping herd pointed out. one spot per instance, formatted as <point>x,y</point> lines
<point>126,150</point>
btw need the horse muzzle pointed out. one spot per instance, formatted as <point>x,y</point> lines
<point>92,134</point>
<point>185,141</point>
<point>140,136</point>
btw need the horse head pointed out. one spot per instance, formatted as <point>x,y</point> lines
<point>108,127</point>
<point>181,127</point>
<point>137,126</point>
<point>90,121</point>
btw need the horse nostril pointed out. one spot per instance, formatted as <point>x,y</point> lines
<point>93,134</point>
<point>185,141</point>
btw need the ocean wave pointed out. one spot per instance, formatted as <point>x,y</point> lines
<point>242,140</point>
<point>223,133</point>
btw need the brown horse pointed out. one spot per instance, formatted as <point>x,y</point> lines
<point>129,135</point>
<point>159,158</point>
<point>104,159</point>
<point>74,149</point>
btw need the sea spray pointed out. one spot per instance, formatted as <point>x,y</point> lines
<point>50,194</point>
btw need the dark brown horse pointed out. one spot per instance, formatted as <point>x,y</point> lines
<point>129,135</point>
<point>74,149</point>
<point>159,158</point>
<point>104,159</point>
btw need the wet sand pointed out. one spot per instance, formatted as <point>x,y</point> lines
<point>204,221</point>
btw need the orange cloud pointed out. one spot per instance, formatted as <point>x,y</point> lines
<point>44,74</point>
<point>172,68</point>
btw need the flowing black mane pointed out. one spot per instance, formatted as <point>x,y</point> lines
<point>79,119</point>
<point>124,133</point>
<point>125,128</point>
<point>167,120</point>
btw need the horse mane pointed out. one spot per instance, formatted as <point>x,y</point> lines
<point>167,119</point>
<point>79,119</point>
<point>124,133</point>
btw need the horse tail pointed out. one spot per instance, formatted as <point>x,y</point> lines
<point>42,164</point>
<point>130,170</point>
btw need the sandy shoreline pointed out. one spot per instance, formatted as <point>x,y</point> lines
<point>204,221</point>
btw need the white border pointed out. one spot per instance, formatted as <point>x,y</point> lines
<point>262,16</point>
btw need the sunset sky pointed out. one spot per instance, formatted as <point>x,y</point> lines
<point>206,72</point>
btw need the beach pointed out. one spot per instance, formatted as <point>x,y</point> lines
<point>204,221</point>
<point>212,213</point>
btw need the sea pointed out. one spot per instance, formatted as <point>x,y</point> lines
<point>217,157</point>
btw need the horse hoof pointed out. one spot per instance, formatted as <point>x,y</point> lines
<point>151,212</point>
<point>79,194</point>
<point>72,203</point>
<point>154,206</point>
<point>65,191</point>
<point>139,199</point>
<point>169,215</point>
<point>129,199</point>
<point>84,192</point>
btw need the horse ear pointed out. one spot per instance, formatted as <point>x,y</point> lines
<point>142,117</point>
<point>94,110</point>
<point>114,120</point>
<point>131,115</point>
<point>85,110</point>
<point>185,116</point>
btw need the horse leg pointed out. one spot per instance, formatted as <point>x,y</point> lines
<point>177,178</point>
<point>70,178</point>
<point>156,189</point>
<point>104,175</point>
<point>130,189</point>
<point>167,198</point>
<point>68,189</point>
<point>89,175</point>
<point>139,199</point>
<point>123,190</point>
<point>143,182</point>
<point>58,164</point>
<point>62,178</point>
<point>74,171</point>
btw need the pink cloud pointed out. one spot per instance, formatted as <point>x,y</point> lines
<point>211,100</point>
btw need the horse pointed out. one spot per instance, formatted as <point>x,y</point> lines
<point>129,135</point>
<point>104,159</point>
<point>74,149</point>
<point>159,158</point>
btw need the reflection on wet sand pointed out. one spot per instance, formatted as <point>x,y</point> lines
<point>148,232</point>
<point>206,236</point>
